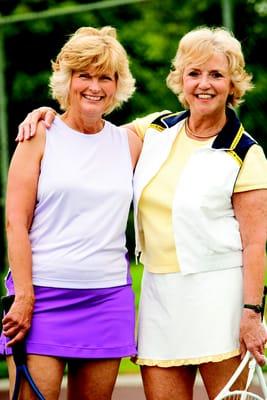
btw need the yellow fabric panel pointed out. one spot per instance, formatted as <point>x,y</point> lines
<point>159,255</point>
<point>155,208</point>
<point>253,173</point>
<point>141,124</point>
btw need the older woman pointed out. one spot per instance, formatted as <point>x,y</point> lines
<point>200,192</point>
<point>68,196</point>
<point>201,222</point>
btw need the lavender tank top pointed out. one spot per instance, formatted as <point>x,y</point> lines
<point>84,195</point>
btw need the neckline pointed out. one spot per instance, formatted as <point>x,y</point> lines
<point>193,136</point>
<point>81,134</point>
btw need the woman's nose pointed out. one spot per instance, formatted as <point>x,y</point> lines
<point>94,85</point>
<point>204,81</point>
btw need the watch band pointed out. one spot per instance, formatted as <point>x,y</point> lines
<point>255,307</point>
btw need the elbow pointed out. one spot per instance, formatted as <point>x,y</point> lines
<point>16,223</point>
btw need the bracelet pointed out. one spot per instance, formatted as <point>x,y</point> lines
<point>255,307</point>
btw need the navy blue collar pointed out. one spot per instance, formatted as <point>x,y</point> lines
<point>225,139</point>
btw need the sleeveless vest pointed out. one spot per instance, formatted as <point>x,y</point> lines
<point>84,195</point>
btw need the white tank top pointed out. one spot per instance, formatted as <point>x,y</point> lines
<point>84,195</point>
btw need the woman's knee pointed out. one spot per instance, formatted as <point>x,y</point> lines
<point>168,383</point>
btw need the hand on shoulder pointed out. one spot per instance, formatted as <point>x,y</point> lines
<point>28,127</point>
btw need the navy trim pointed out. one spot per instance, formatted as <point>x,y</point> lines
<point>231,138</point>
<point>244,145</point>
<point>173,119</point>
<point>168,120</point>
<point>229,135</point>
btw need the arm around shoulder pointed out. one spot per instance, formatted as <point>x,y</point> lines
<point>28,127</point>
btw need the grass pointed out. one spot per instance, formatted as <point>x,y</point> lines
<point>127,366</point>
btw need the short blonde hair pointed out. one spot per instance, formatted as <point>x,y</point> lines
<point>97,49</point>
<point>197,46</point>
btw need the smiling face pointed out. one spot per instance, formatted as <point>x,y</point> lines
<point>91,93</point>
<point>206,87</point>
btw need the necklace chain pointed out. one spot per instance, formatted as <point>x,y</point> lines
<point>191,133</point>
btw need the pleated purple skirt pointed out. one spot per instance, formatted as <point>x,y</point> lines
<point>80,323</point>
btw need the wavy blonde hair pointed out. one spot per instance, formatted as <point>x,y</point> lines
<point>97,49</point>
<point>196,47</point>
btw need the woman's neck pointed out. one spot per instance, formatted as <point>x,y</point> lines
<point>204,128</point>
<point>87,125</point>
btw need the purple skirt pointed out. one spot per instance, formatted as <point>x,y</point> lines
<point>80,323</point>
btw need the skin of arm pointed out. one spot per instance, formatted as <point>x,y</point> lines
<point>251,212</point>
<point>135,145</point>
<point>20,203</point>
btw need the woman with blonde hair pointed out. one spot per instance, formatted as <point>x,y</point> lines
<point>68,197</point>
<point>201,223</point>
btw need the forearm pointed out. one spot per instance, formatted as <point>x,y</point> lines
<point>20,261</point>
<point>17,321</point>
<point>254,261</point>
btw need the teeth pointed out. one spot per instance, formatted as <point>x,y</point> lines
<point>93,98</point>
<point>204,96</point>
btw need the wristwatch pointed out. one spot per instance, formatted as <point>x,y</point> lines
<point>255,307</point>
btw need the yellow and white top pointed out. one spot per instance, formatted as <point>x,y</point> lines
<point>155,206</point>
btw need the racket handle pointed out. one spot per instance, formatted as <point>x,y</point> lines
<point>7,302</point>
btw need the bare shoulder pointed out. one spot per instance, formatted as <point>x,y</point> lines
<point>33,148</point>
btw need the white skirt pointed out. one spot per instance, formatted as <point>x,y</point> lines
<point>189,319</point>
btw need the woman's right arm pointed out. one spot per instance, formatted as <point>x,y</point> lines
<point>20,203</point>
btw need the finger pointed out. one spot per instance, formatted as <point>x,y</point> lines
<point>11,328</point>
<point>260,358</point>
<point>242,350</point>
<point>16,339</point>
<point>49,118</point>
<point>33,128</point>
<point>23,131</point>
<point>8,325</point>
<point>42,113</point>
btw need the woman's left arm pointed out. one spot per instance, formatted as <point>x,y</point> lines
<point>135,146</point>
<point>251,212</point>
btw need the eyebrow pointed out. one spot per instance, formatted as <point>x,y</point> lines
<point>210,71</point>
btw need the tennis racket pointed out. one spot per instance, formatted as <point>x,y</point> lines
<point>254,369</point>
<point>19,355</point>
<point>245,394</point>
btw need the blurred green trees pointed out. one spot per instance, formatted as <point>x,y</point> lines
<point>150,32</point>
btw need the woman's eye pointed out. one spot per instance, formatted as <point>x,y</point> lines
<point>82,75</point>
<point>193,73</point>
<point>106,78</point>
<point>216,74</point>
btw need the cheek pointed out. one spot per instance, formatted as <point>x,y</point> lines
<point>111,90</point>
<point>188,84</point>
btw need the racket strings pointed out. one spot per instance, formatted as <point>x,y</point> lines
<point>241,395</point>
